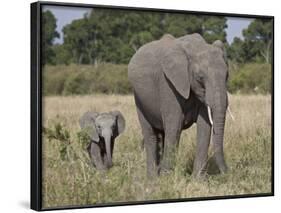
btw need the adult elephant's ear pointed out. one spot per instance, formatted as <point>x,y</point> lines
<point>175,66</point>
<point>87,123</point>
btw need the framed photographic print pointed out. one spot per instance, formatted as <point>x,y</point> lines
<point>140,105</point>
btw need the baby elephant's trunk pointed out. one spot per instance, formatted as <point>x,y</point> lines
<point>107,138</point>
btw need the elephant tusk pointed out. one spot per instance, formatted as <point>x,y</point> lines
<point>231,115</point>
<point>210,115</point>
<point>229,111</point>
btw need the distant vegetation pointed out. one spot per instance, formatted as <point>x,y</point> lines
<point>97,48</point>
<point>112,78</point>
<point>250,78</point>
<point>86,79</point>
<point>113,36</point>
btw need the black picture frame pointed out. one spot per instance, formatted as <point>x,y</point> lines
<point>36,105</point>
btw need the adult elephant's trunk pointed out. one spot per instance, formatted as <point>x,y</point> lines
<point>107,139</point>
<point>218,111</point>
<point>218,135</point>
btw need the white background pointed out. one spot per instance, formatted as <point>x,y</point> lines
<point>15,105</point>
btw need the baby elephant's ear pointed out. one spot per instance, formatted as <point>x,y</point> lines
<point>120,121</point>
<point>87,123</point>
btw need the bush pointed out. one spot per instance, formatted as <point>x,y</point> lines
<point>76,83</point>
<point>250,78</point>
<point>53,79</point>
<point>112,78</point>
<point>85,79</point>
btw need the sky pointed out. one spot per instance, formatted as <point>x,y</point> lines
<point>65,15</point>
<point>235,27</point>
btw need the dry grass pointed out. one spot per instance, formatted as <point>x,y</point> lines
<point>75,182</point>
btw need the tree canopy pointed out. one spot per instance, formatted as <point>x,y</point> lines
<point>49,33</point>
<point>256,45</point>
<point>113,36</point>
<point>106,35</point>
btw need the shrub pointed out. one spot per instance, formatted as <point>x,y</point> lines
<point>76,83</point>
<point>85,79</point>
<point>53,79</point>
<point>250,78</point>
<point>112,78</point>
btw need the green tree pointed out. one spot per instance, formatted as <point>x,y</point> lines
<point>49,33</point>
<point>213,28</point>
<point>237,50</point>
<point>257,43</point>
<point>62,55</point>
<point>76,39</point>
<point>106,35</point>
<point>182,24</point>
<point>258,37</point>
<point>210,27</point>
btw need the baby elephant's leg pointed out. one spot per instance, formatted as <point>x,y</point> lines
<point>95,155</point>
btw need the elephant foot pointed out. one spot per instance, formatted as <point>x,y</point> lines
<point>167,166</point>
<point>200,176</point>
<point>221,163</point>
<point>223,169</point>
<point>101,167</point>
<point>152,174</point>
<point>152,171</point>
<point>108,165</point>
<point>166,169</point>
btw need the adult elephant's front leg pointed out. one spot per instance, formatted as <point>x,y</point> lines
<point>172,135</point>
<point>203,142</point>
<point>150,145</point>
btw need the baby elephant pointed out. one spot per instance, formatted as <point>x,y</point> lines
<point>102,128</point>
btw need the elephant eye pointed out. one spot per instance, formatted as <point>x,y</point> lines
<point>201,78</point>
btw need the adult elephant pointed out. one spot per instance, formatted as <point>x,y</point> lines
<point>178,82</point>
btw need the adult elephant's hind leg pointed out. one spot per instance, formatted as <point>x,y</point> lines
<point>150,145</point>
<point>203,141</point>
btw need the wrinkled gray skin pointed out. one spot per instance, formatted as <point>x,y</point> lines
<point>102,128</point>
<point>174,80</point>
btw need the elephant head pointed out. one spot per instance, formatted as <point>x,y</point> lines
<point>103,126</point>
<point>194,66</point>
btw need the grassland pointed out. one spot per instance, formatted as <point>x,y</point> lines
<point>73,181</point>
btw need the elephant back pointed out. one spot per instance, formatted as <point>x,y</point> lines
<point>144,61</point>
